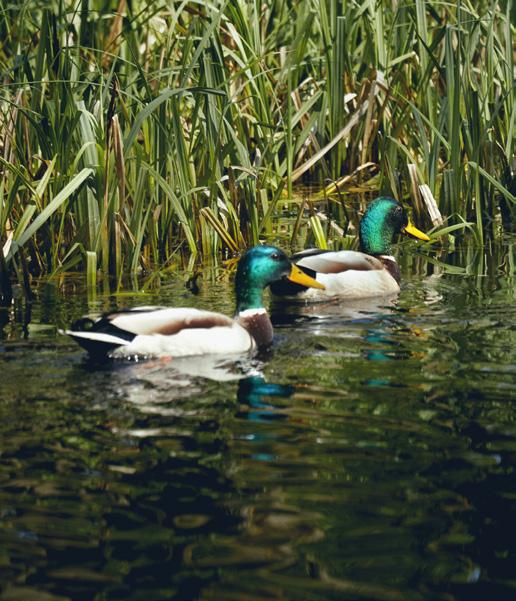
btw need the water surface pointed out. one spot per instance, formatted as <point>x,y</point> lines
<point>369,454</point>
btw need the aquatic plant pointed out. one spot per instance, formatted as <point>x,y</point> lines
<point>132,131</point>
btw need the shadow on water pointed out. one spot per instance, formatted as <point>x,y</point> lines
<point>369,455</point>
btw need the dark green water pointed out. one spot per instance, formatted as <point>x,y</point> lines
<point>369,455</point>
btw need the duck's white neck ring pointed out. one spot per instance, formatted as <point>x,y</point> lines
<point>387,257</point>
<point>251,312</point>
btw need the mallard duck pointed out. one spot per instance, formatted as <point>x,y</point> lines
<point>180,332</point>
<point>352,274</point>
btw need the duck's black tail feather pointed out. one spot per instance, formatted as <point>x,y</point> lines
<point>96,343</point>
<point>98,337</point>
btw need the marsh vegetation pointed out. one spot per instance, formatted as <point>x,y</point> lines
<point>132,131</point>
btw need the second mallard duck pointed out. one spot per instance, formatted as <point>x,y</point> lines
<point>352,274</point>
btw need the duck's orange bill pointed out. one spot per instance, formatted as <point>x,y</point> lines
<point>300,277</point>
<point>412,230</point>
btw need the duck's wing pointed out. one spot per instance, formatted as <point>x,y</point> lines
<point>103,334</point>
<point>321,261</point>
<point>165,321</point>
<point>314,261</point>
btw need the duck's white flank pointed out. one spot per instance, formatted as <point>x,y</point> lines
<point>353,284</point>
<point>190,342</point>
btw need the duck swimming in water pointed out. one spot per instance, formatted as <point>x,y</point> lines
<point>352,274</point>
<point>180,332</point>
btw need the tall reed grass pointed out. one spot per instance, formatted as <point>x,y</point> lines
<point>131,131</point>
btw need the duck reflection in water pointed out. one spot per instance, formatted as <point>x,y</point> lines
<point>255,393</point>
<point>365,309</point>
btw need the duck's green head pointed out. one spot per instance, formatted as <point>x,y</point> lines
<point>383,219</point>
<point>259,267</point>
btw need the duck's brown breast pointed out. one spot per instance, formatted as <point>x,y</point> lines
<point>257,322</point>
<point>391,266</point>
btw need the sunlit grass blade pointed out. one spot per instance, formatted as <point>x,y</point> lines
<point>318,232</point>
<point>51,207</point>
<point>218,226</point>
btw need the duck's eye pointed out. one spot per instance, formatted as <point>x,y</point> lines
<point>275,256</point>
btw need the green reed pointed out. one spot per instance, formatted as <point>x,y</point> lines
<point>131,132</point>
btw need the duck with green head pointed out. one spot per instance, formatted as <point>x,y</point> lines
<point>180,332</point>
<point>372,271</point>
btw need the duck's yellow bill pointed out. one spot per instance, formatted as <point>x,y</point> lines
<point>300,277</point>
<point>412,230</point>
